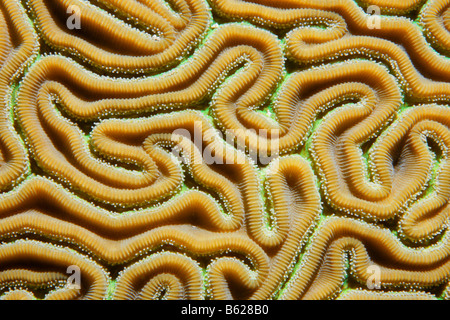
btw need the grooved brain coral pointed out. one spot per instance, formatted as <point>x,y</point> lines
<point>224,149</point>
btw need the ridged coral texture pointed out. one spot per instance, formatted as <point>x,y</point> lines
<point>224,149</point>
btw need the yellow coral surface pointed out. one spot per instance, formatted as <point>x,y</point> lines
<point>224,149</point>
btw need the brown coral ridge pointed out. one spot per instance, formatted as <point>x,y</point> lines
<point>166,275</point>
<point>18,295</point>
<point>288,13</point>
<point>323,269</point>
<point>307,94</point>
<point>22,264</point>
<point>398,41</point>
<point>371,295</point>
<point>234,179</point>
<point>115,239</point>
<point>120,238</point>
<point>394,7</point>
<point>231,174</point>
<point>435,20</point>
<point>52,77</point>
<point>110,44</point>
<point>231,105</point>
<point>378,161</point>
<point>18,44</point>
<point>400,164</point>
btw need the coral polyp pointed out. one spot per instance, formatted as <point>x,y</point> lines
<point>224,149</point>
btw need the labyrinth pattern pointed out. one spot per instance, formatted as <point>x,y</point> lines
<point>115,156</point>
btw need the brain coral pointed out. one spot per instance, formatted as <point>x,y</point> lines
<point>224,149</point>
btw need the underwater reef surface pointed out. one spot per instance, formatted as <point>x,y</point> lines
<point>224,149</point>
